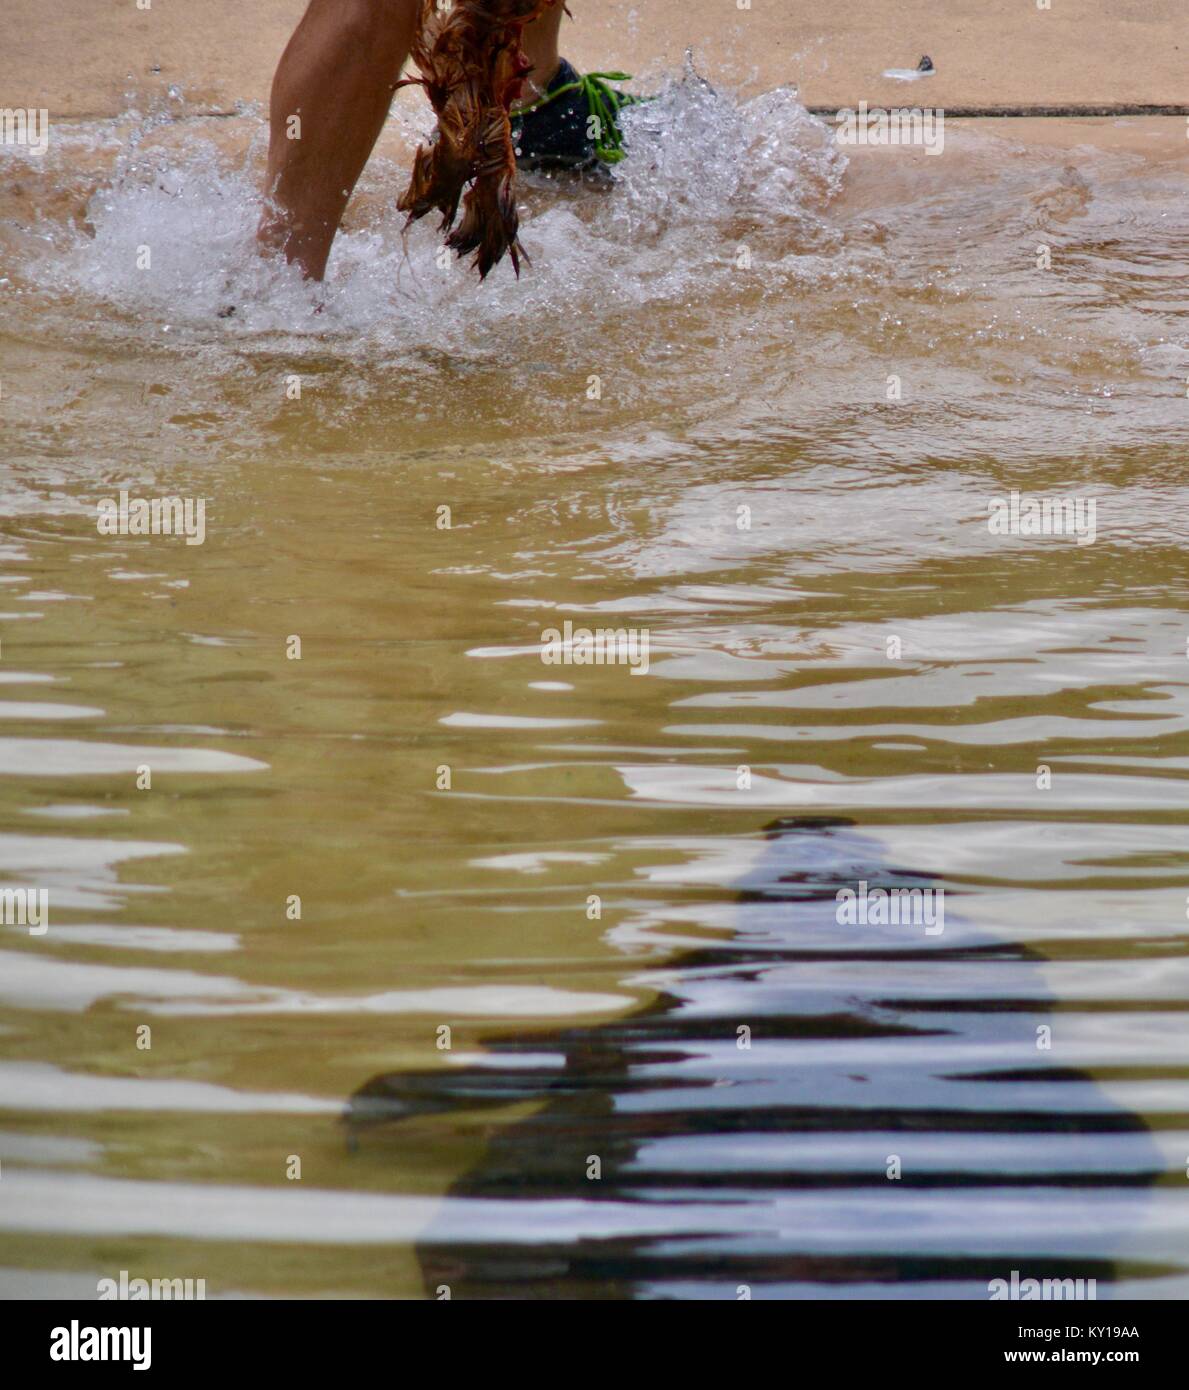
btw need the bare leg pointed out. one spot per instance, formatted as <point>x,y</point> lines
<point>338,75</point>
<point>540,48</point>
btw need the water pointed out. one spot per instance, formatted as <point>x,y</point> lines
<point>679,420</point>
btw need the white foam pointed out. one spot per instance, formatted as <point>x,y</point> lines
<point>700,166</point>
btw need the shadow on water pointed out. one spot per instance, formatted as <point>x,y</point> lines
<point>721,1165</point>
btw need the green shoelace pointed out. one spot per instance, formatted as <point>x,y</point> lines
<point>604,104</point>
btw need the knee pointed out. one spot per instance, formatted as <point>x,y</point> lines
<point>371,21</point>
<point>387,12</point>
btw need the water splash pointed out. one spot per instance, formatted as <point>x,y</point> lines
<point>703,172</point>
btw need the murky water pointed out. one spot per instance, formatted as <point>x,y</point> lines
<point>753,402</point>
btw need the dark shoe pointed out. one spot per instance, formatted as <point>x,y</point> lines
<point>575,125</point>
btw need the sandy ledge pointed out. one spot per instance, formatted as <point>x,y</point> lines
<point>83,58</point>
